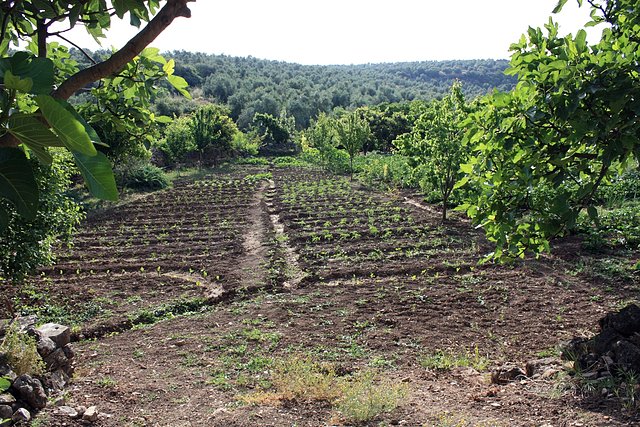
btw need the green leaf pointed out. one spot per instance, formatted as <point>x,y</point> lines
<point>163,119</point>
<point>5,384</point>
<point>87,127</point>
<point>461,183</point>
<point>71,132</point>
<point>32,132</point>
<point>97,173</point>
<point>26,66</point>
<point>16,83</point>
<point>593,214</point>
<point>17,183</point>
<point>180,84</point>
<point>559,6</point>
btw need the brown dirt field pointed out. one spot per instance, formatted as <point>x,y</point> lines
<point>380,284</point>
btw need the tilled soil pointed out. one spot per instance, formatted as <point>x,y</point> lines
<point>378,284</point>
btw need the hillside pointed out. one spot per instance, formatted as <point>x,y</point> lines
<point>251,85</point>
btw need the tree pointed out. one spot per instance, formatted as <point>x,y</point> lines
<point>35,84</point>
<point>352,132</point>
<point>276,132</point>
<point>436,141</point>
<point>321,136</point>
<point>213,131</point>
<point>540,152</point>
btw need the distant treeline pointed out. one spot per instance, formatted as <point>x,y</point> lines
<point>250,85</point>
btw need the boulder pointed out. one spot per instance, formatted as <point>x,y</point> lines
<point>59,334</point>
<point>30,390</point>
<point>5,412</point>
<point>46,346</point>
<point>626,322</point>
<point>57,360</point>
<point>538,367</point>
<point>21,416</point>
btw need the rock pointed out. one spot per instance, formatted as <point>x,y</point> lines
<point>56,380</point>
<point>5,412</point>
<point>21,416</point>
<point>507,373</point>
<point>59,334</point>
<point>46,346</point>
<point>57,360</point>
<point>31,391</point>
<point>538,366</point>
<point>602,343</point>
<point>81,410</point>
<point>627,356</point>
<point>67,411</point>
<point>5,369</point>
<point>625,322</point>
<point>91,414</point>
<point>68,351</point>
<point>27,322</point>
<point>7,399</point>
<point>573,349</point>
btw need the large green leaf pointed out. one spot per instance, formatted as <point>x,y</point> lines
<point>26,66</point>
<point>17,183</point>
<point>34,134</point>
<point>72,133</point>
<point>98,175</point>
<point>87,127</point>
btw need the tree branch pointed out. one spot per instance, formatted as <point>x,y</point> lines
<point>165,16</point>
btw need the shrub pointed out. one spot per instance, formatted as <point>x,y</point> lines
<point>245,144</point>
<point>365,397</point>
<point>21,352</point>
<point>139,175</point>
<point>178,141</point>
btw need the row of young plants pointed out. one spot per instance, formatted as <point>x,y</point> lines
<point>177,254</point>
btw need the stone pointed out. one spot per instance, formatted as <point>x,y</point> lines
<point>5,412</point>
<point>68,351</point>
<point>67,411</point>
<point>91,414</point>
<point>81,410</point>
<point>602,343</point>
<point>627,356</point>
<point>21,416</point>
<point>5,369</point>
<point>57,360</point>
<point>27,322</point>
<point>625,322</point>
<point>56,381</point>
<point>31,391</point>
<point>7,399</point>
<point>507,373</point>
<point>46,346</point>
<point>538,366</point>
<point>59,334</point>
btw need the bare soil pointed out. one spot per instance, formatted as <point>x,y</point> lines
<point>179,307</point>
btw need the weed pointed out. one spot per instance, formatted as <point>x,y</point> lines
<point>446,360</point>
<point>21,352</point>
<point>365,397</point>
<point>106,382</point>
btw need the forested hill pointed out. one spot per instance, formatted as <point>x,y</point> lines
<point>250,85</point>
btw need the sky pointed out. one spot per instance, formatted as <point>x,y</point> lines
<point>355,31</point>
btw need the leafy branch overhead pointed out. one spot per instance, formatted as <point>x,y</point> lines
<point>34,115</point>
<point>540,152</point>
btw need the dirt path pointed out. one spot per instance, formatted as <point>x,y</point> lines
<point>312,267</point>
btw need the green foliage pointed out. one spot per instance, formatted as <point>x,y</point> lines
<point>213,131</point>
<point>366,396</point>
<point>178,140</point>
<point>246,144</point>
<point>321,135</point>
<point>140,175</point>
<point>250,85</point>
<point>389,171</point>
<point>570,124</point>
<point>436,143</point>
<point>21,352</point>
<point>276,133</point>
<point>25,244</point>
<point>5,384</point>
<point>351,134</point>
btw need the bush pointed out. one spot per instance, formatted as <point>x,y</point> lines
<point>139,175</point>
<point>245,144</point>
<point>178,141</point>
<point>21,352</point>
<point>26,245</point>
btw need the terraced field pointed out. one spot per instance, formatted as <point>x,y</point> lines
<point>190,305</point>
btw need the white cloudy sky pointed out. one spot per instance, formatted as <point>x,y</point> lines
<point>356,31</point>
